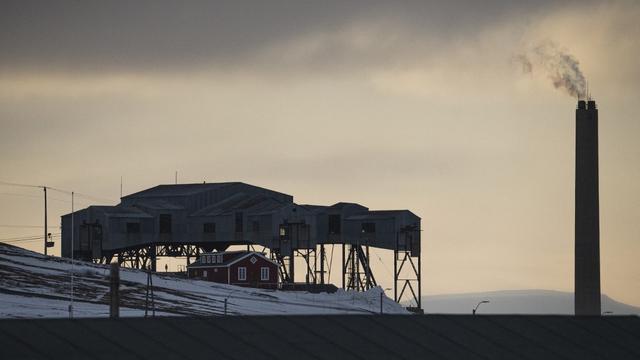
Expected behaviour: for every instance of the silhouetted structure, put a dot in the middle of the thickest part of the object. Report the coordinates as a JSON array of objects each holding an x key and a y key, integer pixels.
[
  {"x": 191, "y": 219},
  {"x": 587, "y": 219}
]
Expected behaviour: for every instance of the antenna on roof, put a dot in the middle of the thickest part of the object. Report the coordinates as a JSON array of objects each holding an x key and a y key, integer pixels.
[
  {"x": 120, "y": 187},
  {"x": 176, "y": 177}
]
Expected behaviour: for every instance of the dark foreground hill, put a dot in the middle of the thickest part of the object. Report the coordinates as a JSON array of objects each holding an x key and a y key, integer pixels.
[{"x": 327, "y": 337}]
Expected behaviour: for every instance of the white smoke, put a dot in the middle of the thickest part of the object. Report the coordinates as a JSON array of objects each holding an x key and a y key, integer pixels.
[{"x": 562, "y": 68}]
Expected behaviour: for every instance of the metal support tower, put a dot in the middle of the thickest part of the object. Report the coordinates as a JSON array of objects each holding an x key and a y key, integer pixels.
[
  {"x": 356, "y": 269},
  {"x": 146, "y": 257},
  {"x": 323, "y": 256},
  {"x": 407, "y": 278},
  {"x": 310, "y": 260},
  {"x": 284, "y": 266}
]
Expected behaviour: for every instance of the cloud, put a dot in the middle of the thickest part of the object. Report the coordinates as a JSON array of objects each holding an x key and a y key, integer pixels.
[{"x": 152, "y": 36}]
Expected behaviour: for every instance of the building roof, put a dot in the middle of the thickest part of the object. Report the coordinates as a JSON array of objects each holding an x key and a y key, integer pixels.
[
  {"x": 115, "y": 211},
  {"x": 380, "y": 215},
  {"x": 158, "y": 204},
  {"x": 241, "y": 202},
  {"x": 342, "y": 205},
  {"x": 330, "y": 337},
  {"x": 169, "y": 190},
  {"x": 228, "y": 260},
  {"x": 178, "y": 189}
]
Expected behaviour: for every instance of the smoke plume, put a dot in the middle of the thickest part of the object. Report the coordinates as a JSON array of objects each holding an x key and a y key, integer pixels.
[{"x": 562, "y": 68}]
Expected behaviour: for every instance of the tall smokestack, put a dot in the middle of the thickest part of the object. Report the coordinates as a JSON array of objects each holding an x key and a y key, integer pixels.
[{"x": 587, "y": 220}]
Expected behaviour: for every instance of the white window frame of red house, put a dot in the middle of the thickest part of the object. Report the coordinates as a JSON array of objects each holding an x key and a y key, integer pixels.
[
  {"x": 204, "y": 273},
  {"x": 264, "y": 273},
  {"x": 242, "y": 273}
]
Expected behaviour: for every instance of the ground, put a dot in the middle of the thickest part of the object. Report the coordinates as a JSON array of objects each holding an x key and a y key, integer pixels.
[{"x": 33, "y": 286}]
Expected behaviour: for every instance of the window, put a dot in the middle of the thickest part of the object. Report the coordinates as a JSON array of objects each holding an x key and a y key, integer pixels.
[
  {"x": 283, "y": 231},
  {"x": 133, "y": 228},
  {"x": 264, "y": 273},
  {"x": 204, "y": 273},
  {"x": 242, "y": 273},
  {"x": 209, "y": 228},
  {"x": 239, "y": 225},
  {"x": 165, "y": 223},
  {"x": 334, "y": 224},
  {"x": 368, "y": 228},
  {"x": 219, "y": 259}
]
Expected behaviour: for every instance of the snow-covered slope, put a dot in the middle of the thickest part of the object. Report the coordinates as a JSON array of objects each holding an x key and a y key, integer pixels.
[
  {"x": 34, "y": 285},
  {"x": 517, "y": 302}
]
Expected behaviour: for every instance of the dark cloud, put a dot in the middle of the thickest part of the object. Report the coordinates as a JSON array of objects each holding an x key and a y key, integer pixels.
[{"x": 161, "y": 35}]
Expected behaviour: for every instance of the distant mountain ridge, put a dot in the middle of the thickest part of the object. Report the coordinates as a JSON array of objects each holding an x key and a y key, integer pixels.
[{"x": 517, "y": 302}]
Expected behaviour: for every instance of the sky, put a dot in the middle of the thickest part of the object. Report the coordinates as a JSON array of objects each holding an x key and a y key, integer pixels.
[{"x": 418, "y": 105}]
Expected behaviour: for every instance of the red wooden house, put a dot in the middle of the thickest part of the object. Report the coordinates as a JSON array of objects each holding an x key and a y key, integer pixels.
[{"x": 242, "y": 268}]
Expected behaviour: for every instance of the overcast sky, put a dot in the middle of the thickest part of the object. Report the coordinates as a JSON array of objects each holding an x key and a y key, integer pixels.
[{"x": 413, "y": 104}]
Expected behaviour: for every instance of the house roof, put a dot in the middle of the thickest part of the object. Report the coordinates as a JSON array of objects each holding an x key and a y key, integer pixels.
[
  {"x": 325, "y": 337},
  {"x": 229, "y": 260}
]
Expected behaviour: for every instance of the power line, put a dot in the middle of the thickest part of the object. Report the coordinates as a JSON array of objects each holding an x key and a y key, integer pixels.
[
  {"x": 18, "y": 242},
  {"x": 40, "y": 197},
  {"x": 22, "y": 226},
  {"x": 21, "y": 241},
  {"x": 32, "y": 237},
  {"x": 27, "y": 238},
  {"x": 23, "y": 185},
  {"x": 90, "y": 197}
]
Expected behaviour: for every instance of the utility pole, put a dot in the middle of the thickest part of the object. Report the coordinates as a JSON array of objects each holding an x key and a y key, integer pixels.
[
  {"x": 322, "y": 257},
  {"x": 149, "y": 290},
  {"x": 72, "y": 269},
  {"x": 114, "y": 290},
  {"x": 45, "y": 220}
]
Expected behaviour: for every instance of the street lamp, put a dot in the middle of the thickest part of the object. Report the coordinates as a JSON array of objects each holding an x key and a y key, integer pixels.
[
  {"x": 478, "y": 305},
  {"x": 382, "y": 298}
]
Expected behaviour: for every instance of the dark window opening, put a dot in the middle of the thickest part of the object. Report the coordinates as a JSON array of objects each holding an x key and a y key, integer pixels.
[
  {"x": 368, "y": 228},
  {"x": 132, "y": 228},
  {"x": 239, "y": 222},
  {"x": 255, "y": 226},
  {"x": 209, "y": 228},
  {"x": 334, "y": 224},
  {"x": 165, "y": 223}
]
